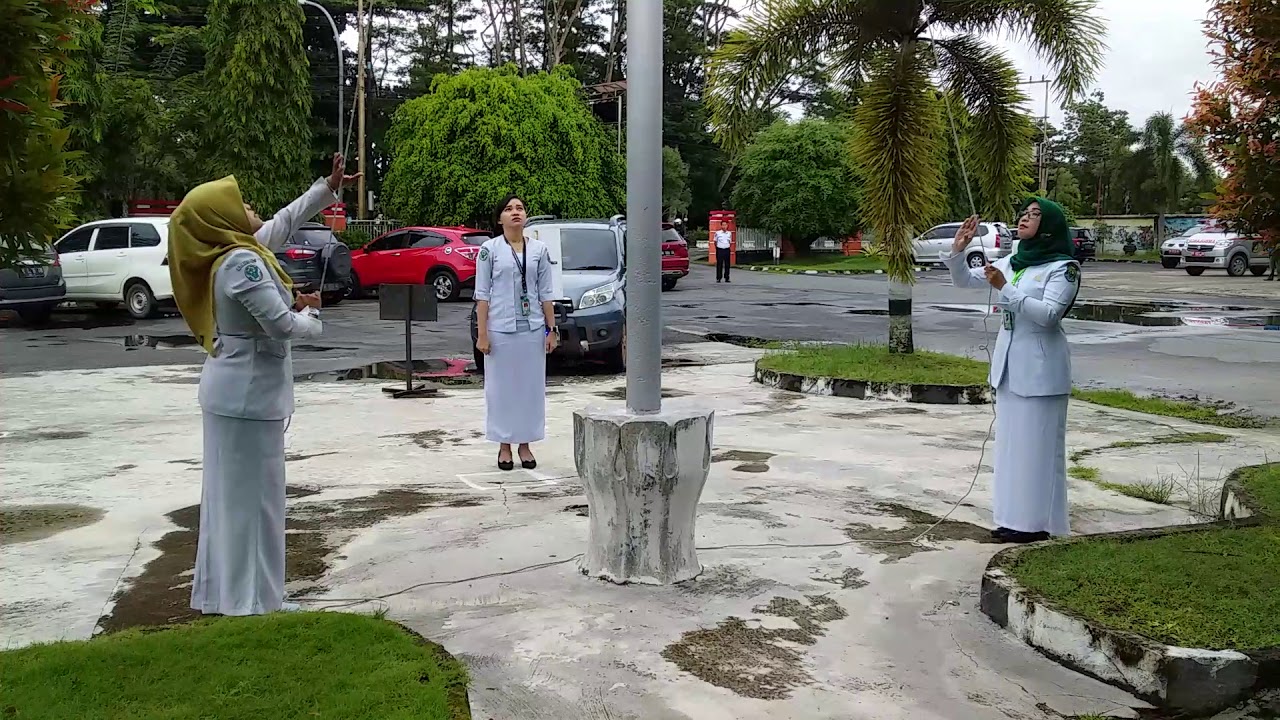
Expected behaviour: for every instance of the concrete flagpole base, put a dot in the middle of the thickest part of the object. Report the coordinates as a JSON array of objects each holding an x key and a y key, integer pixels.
[{"x": 643, "y": 476}]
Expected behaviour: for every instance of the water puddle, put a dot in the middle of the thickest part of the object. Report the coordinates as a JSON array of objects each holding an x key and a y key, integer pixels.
[
  {"x": 159, "y": 342},
  {"x": 873, "y": 311},
  {"x": 1177, "y": 314}
]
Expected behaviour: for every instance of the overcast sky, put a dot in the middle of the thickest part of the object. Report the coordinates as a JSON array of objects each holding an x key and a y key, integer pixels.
[{"x": 1157, "y": 53}]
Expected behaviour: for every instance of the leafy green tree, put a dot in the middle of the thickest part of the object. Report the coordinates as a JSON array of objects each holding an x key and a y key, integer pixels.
[
  {"x": 486, "y": 132},
  {"x": 37, "y": 187},
  {"x": 1066, "y": 192},
  {"x": 1174, "y": 160},
  {"x": 675, "y": 183},
  {"x": 1097, "y": 141},
  {"x": 799, "y": 180},
  {"x": 905, "y": 54},
  {"x": 257, "y": 100}
]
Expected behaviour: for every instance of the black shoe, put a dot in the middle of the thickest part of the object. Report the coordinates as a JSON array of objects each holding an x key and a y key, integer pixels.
[
  {"x": 1018, "y": 537},
  {"x": 999, "y": 533},
  {"x": 529, "y": 464},
  {"x": 505, "y": 465}
]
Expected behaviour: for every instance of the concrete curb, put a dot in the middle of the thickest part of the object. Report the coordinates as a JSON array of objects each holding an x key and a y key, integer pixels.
[
  {"x": 866, "y": 390},
  {"x": 1125, "y": 260},
  {"x": 1237, "y": 503},
  {"x": 1195, "y": 681}
]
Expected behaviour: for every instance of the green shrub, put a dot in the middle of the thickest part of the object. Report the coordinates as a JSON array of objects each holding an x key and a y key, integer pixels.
[{"x": 353, "y": 238}]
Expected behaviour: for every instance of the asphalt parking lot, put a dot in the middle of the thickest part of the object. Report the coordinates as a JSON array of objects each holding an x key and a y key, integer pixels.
[{"x": 1144, "y": 328}]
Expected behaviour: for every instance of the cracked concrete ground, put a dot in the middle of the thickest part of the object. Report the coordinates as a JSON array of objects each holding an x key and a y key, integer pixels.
[{"x": 810, "y": 604}]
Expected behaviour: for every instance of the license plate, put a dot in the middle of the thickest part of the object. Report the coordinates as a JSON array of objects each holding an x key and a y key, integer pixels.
[
  {"x": 331, "y": 287},
  {"x": 30, "y": 271},
  {"x": 1197, "y": 253}
]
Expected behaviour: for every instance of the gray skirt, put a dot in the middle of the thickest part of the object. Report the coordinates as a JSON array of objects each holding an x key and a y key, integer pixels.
[
  {"x": 240, "y": 556},
  {"x": 515, "y": 387}
]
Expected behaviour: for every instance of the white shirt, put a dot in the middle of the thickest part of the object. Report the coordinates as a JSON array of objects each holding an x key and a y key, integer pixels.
[{"x": 723, "y": 238}]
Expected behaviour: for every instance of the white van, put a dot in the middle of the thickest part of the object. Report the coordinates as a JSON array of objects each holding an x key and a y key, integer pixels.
[
  {"x": 118, "y": 261},
  {"x": 1219, "y": 250}
]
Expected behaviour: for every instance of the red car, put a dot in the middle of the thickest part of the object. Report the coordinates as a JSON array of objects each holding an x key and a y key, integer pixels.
[
  {"x": 675, "y": 256},
  {"x": 443, "y": 257}
]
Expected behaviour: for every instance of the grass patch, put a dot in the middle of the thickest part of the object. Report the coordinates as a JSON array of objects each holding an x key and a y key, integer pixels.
[
  {"x": 1158, "y": 491},
  {"x": 1215, "y": 588},
  {"x": 874, "y": 363},
  {"x": 1083, "y": 472},
  {"x": 1182, "y": 438},
  {"x": 1201, "y": 412},
  {"x": 1263, "y": 485},
  {"x": 834, "y": 261},
  {"x": 282, "y": 665}
]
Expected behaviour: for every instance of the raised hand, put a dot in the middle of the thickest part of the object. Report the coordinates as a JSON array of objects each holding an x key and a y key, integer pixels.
[
  {"x": 337, "y": 180},
  {"x": 965, "y": 235}
]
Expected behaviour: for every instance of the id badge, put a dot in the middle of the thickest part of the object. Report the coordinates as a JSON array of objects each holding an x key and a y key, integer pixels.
[
  {"x": 1007, "y": 320},
  {"x": 524, "y": 306}
]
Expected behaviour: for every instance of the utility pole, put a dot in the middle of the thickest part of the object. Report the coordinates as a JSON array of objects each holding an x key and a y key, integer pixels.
[
  {"x": 644, "y": 206},
  {"x": 1042, "y": 150},
  {"x": 362, "y": 209}
]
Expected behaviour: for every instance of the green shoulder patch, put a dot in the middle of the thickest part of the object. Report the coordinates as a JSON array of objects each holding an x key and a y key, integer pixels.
[
  {"x": 484, "y": 253},
  {"x": 252, "y": 273},
  {"x": 1073, "y": 273}
]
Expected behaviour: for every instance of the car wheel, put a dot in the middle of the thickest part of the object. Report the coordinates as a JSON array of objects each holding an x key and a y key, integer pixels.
[
  {"x": 616, "y": 358},
  {"x": 354, "y": 290},
  {"x": 1258, "y": 271},
  {"x": 445, "y": 284},
  {"x": 478, "y": 358},
  {"x": 1238, "y": 265},
  {"x": 1195, "y": 271},
  {"x": 36, "y": 315},
  {"x": 668, "y": 283},
  {"x": 1168, "y": 263},
  {"x": 139, "y": 300},
  {"x": 976, "y": 260}
]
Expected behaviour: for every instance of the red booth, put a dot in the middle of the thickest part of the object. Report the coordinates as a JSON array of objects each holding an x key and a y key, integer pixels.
[{"x": 729, "y": 218}]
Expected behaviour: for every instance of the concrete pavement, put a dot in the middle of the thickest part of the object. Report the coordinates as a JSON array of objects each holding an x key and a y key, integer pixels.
[{"x": 813, "y": 602}]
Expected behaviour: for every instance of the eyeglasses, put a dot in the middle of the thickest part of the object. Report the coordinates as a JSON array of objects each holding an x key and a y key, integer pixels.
[{"x": 1031, "y": 214}]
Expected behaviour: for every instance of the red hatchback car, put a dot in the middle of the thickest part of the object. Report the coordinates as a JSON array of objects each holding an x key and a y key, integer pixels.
[
  {"x": 443, "y": 257},
  {"x": 675, "y": 256}
]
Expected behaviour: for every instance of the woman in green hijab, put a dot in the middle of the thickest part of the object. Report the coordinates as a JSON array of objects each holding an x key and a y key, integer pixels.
[
  {"x": 1030, "y": 368},
  {"x": 240, "y": 307}
]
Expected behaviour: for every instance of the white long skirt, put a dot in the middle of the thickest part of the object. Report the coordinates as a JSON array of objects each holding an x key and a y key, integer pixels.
[
  {"x": 515, "y": 387},
  {"x": 1031, "y": 463},
  {"x": 240, "y": 556}
]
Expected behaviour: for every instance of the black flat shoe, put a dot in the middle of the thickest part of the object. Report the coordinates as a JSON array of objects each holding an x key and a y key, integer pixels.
[
  {"x": 1021, "y": 538},
  {"x": 529, "y": 464},
  {"x": 505, "y": 465},
  {"x": 1000, "y": 532}
]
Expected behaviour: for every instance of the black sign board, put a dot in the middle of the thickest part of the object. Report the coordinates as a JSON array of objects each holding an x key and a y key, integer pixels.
[{"x": 410, "y": 303}]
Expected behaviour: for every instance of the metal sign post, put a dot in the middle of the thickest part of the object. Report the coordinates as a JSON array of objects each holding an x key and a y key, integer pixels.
[{"x": 409, "y": 303}]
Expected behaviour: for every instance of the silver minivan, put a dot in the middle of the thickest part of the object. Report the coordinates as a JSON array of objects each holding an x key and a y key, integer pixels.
[{"x": 1219, "y": 250}]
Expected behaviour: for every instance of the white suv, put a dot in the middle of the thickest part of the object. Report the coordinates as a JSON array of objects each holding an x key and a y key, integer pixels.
[
  {"x": 115, "y": 261},
  {"x": 1220, "y": 250},
  {"x": 991, "y": 242}
]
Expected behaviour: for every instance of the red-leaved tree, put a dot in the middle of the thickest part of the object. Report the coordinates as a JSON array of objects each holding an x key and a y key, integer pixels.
[{"x": 1239, "y": 116}]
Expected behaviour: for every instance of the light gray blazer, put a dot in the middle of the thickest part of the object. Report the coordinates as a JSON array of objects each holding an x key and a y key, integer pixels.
[
  {"x": 1034, "y": 356},
  {"x": 249, "y": 374}
]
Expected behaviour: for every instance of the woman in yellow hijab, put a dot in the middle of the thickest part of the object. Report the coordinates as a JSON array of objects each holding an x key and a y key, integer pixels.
[{"x": 239, "y": 305}]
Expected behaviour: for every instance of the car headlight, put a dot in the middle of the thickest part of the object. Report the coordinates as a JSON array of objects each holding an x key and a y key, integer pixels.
[{"x": 597, "y": 296}]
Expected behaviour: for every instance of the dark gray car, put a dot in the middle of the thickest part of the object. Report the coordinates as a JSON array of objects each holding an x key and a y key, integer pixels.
[
  {"x": 33, "y": 288},
  {"x": 314, "y": 254}
]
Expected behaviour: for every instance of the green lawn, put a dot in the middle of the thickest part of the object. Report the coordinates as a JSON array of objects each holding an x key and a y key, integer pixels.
[
  {"x": 875, "y": 363},
  {"x": 1217, "y": 588},
  {"x": 1263, "y": 484},
  {"x": 278, "y": 666},
  {"x": 1185, "y": 409},
  {"x": 834, "y": 261}
]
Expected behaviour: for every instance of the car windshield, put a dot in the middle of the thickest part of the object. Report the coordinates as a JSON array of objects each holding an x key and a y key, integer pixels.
[
  {"x": 588, "y": 249},
  {"x": 476, "y": 238},
  {"x": 1194, "y": 230},
  {"x": 315, "y": 237},
  {"x": 671, "y": 235}
]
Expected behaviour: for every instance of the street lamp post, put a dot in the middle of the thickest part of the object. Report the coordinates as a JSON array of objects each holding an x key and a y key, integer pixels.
[
  {"x": 644, "y": 206},
  {"x": 337, "y": 41}
]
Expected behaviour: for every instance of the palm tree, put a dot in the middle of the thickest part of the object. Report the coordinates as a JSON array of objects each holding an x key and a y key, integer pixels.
[
  {"x": 1173, "y": 159},
  {"x": 911, "y": 58}
]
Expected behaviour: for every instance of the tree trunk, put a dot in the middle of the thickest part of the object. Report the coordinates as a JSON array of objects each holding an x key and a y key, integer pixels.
[
  {"x": 615, "y": 32},
  {"x": 1159, "y": 230},
  {"x": 900, "y": 335}
]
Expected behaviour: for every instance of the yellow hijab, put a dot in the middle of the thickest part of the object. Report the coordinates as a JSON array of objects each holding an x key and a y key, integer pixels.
[{"x": 209, "y": 224}]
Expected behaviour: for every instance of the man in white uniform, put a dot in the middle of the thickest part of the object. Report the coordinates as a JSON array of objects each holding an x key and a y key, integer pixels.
[{"x": 723, "y": 241}]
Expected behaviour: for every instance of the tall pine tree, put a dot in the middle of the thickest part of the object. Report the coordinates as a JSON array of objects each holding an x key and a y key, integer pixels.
[{"x": 258, "y": 100}]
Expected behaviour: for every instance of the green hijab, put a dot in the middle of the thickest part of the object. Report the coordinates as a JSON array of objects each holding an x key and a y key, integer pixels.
[{"x": 1051, "y": 243}]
